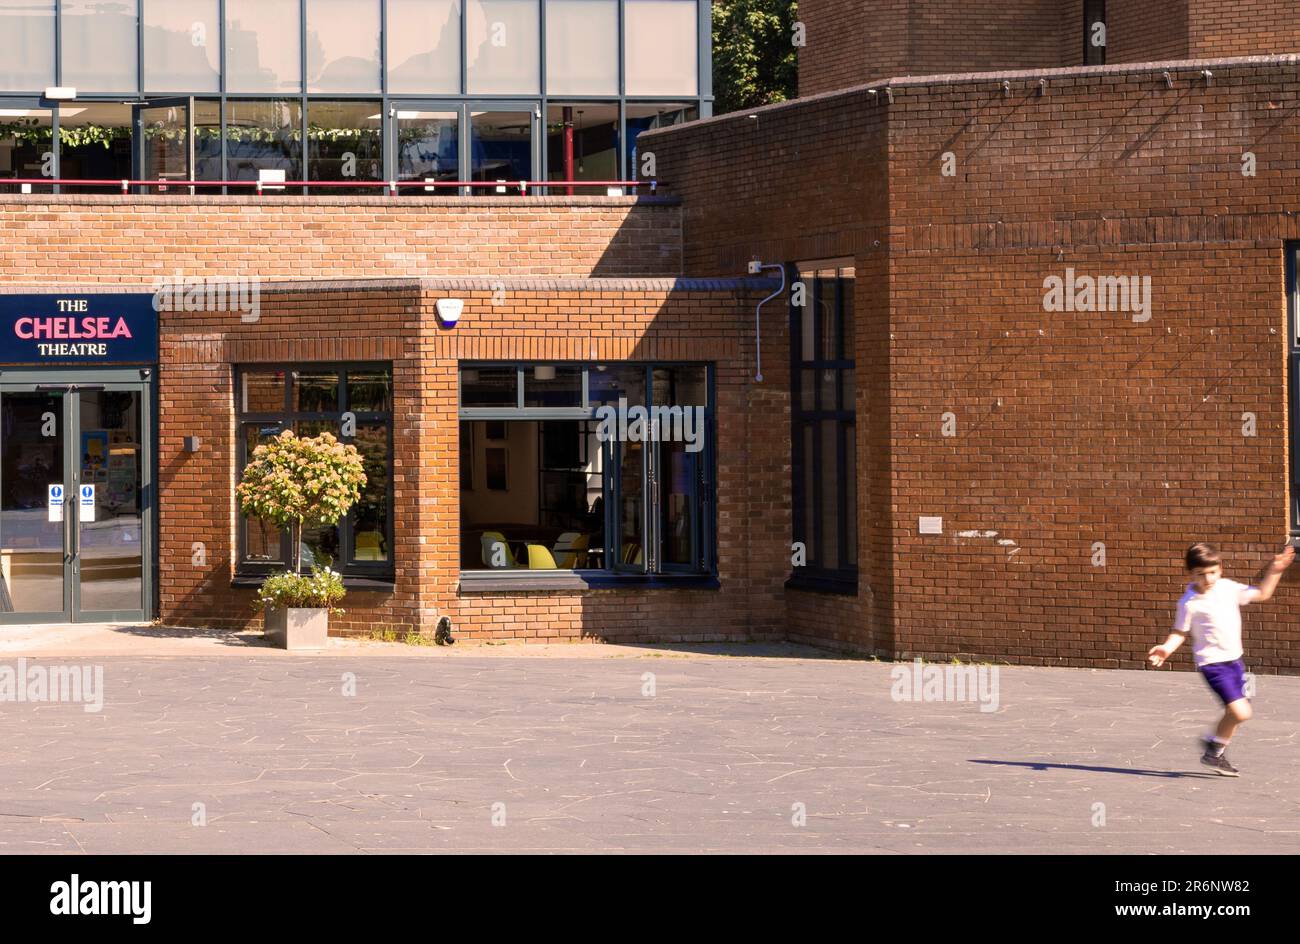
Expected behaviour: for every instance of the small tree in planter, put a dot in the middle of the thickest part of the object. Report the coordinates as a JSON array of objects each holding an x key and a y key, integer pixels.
[{"x": 295, "y": 482}]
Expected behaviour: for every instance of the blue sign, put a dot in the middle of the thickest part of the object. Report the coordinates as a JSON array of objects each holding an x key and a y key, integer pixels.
[{"x": 117, "y": 328}]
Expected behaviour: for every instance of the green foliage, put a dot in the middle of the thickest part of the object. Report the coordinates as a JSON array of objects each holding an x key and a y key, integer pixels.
[
  {"x": 322, "y": 588},
  {"x": 755, "y": 61},
  {"x": 293, "y": 482},
  {"x": 31, "y": 131}
]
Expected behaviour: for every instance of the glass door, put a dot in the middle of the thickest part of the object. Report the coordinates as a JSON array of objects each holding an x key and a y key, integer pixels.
[
  {"x": 165, "y": 131},
  {"x": 109, "y": 487},
  {"x": 504, "y": 146},
  {"x": 427, "y": 146},
  {"x": 74, "y": 501},
  {"x": 34, "y": 561}
]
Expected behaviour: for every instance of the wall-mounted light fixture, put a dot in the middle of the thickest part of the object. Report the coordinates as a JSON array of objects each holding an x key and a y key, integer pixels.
[{"x": 193, "y": 443}]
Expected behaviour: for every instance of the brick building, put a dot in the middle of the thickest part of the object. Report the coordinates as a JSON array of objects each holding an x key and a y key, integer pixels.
[
  {"x": 850, "y": 42},
  {"x": 1028, "y": 474},
  {"x": 939, "y": 459}
]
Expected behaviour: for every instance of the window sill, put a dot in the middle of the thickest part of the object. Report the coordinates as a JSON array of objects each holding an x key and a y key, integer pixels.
[
  {"x": 508, "y": 581},
  {"x": 840, "y": 586},
  {"x": 349, "y": 583}
]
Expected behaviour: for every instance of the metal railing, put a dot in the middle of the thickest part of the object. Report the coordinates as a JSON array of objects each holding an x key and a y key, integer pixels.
[{"x": 389, "y": 187}]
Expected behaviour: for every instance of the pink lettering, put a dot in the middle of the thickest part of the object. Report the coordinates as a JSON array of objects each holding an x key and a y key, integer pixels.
[{"x": 74, "y": 329}]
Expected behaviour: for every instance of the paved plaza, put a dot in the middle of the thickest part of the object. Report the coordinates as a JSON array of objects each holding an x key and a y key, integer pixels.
[{"x": 606, "y": 749}]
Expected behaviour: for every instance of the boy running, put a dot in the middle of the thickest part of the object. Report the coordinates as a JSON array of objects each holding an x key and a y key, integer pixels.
[{"x": 1210, "y": 611}]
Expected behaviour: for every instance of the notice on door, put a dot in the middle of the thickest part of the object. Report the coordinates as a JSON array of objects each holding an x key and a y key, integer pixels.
[
  {"x": 87, "y": 503},
  {"x": 55, "y": 502}
]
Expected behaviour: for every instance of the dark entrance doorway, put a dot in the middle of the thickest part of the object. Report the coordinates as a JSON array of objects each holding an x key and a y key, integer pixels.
[{"x": 76, "y": 507}]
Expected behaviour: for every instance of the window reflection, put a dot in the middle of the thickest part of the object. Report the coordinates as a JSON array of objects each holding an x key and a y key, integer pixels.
[
  {"x": 345, "y": 141},
  {"x": 26, "y": 147},
  {"x": 263, "y": 136}
]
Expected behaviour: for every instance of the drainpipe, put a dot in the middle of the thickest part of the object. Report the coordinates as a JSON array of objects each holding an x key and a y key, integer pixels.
[{"x": 756, "y": 268}]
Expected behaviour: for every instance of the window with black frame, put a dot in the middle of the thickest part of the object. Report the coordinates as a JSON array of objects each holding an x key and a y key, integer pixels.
[
  {"x": 595, "y": 469},
  {"x": 354, "y": 402},
  {"x": 823, "y": 430}
]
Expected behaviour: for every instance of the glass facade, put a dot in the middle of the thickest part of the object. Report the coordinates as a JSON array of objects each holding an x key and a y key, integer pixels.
[{"x": 551, "y": 90}]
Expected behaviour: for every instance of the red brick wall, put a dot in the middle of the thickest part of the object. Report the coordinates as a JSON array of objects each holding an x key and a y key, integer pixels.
[
  {"x": 1071, "y": 429},
  {"x": 851, "y": 42},
  {"x": 113, "y": 239},
  {"x": 605, "y": 320},
  {"x": 1244, "y": 28},
  {"x": 1146, "y": 31},
  {"x": 747, "y": 188}
]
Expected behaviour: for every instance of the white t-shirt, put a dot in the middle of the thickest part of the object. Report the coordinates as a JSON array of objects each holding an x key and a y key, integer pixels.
[{"x": 1213, "y": 619}]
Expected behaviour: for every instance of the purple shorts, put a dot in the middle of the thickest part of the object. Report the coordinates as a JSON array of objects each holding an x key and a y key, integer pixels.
[{"x": 1228, "y": 679}]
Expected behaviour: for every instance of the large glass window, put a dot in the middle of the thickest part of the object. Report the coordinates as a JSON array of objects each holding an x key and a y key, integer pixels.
[
  {"x": 343, "y": 46},
  {"x": 661, "y": 47},
  {"x": 581, "y": 47},
  {"x": 345, "y": 142},
  {"x": 824, "y": 436},
  {"x": 182, "y": 46},
  {"x": 264, "y": 135},
  {"x": 428, "y": 148},
  {"x": 311, "y": 399},
  {"x": 423, "y": 39},
  {"x": 26, "y": 147},
  {"x": 263, "y": 46},
  {"x": 582, "y": 142},
  {"x": 26, "y": 45},
  {"x": 503, "y": 47},
  {"x": 501, "y": 148},
  {"x": 95, "y": 140},
  {"x": 574, "y": 467},
  {"x": 99, "y": 44}
]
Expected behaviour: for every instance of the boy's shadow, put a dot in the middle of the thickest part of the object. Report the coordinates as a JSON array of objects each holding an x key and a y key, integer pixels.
[{"x": 1041, "y": 765}]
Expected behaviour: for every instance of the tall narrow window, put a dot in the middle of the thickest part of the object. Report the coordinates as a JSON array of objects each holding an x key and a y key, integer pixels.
[
  {"x": 824, "y": 434},
  {"x": 1094, "y": 32},
  {"x": 1293, "y": 377}
]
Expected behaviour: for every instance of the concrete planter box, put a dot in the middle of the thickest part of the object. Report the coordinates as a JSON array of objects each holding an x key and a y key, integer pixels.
[{"x": 298, "y": 627}]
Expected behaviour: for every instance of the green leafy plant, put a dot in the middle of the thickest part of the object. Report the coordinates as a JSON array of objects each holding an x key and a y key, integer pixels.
[
  {"x": 295, "y": 481},
  {"x": 755, "y": 61},
  {"x": 321, "y": 588}
]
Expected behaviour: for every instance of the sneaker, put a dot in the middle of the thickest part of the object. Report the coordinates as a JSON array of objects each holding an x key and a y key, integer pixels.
[{"x": 1221, "y": 765}]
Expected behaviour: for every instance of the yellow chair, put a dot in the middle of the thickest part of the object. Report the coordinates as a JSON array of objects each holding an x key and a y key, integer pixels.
[
  {"x": 571, "y": 549},
  {"x": 489, "y": 542},
  {"x": 631, "y": 553},
  {"x": 539, "y": 558},
  {"x": 369, "y": 546}
]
